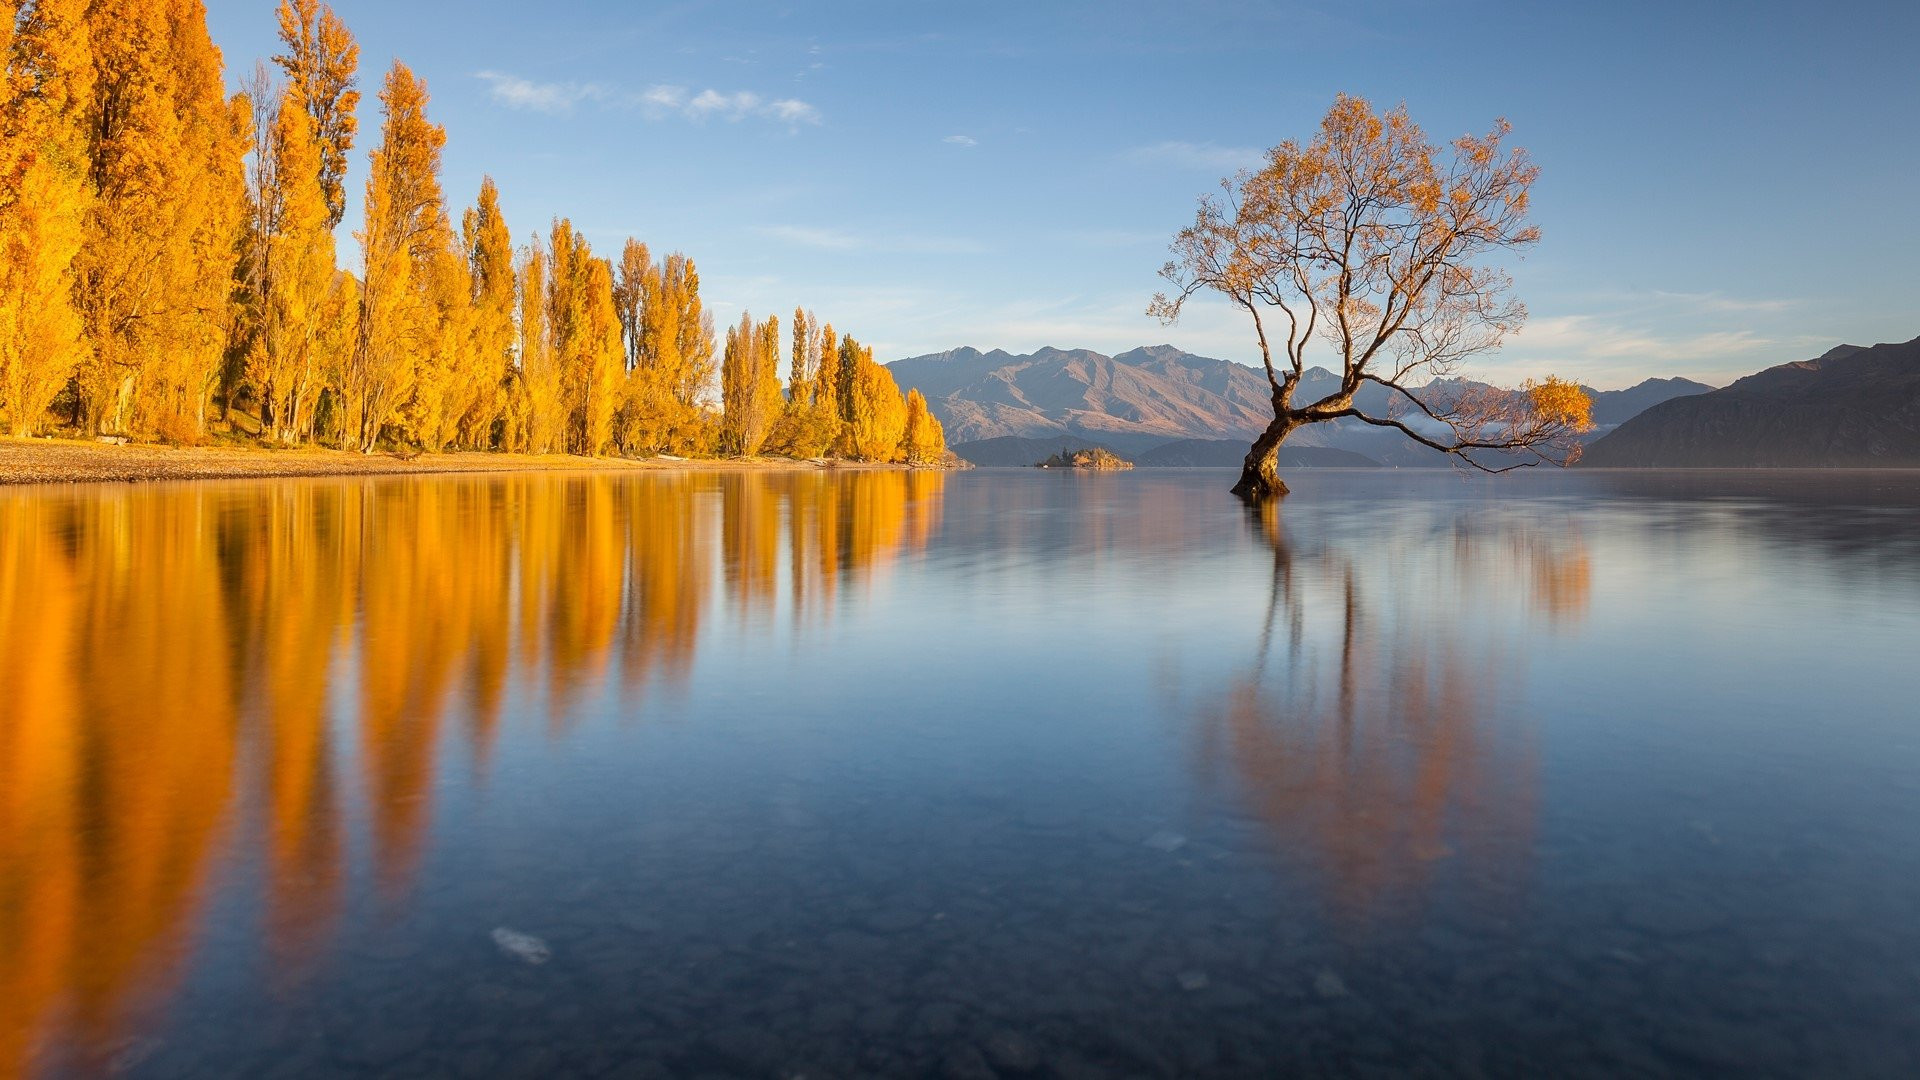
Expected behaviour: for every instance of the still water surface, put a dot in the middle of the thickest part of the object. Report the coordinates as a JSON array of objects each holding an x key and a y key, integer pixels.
[{"x": 997, "y": 773}]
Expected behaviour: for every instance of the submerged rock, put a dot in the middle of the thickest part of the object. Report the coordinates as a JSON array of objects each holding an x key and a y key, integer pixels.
[
  {"x": 522, "y": 947},
  {"x": 1192, "y": 980}
]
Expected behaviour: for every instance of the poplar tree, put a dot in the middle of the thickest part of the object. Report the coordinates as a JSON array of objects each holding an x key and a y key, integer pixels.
[
  {"x": 165, "y": 150},
  {"x": 877, "y": 417},
  {"x": 750, "y": 383},
  {"x": 322, "y": 62},
  {"x": 803, "y": 359},
  {"x": 288, "y": 364},
  {"x": 586, "y": 340},
  {"x": 826, "y": 376},
  {"x": 405, "y": 228},
  {"x": 43, "y": 202},
  {"x": 630, "y": 295},
  {"x": 489, "y": 248},
  {"x": 535, "y": 421},
  {"x": 925, "y": 441}
]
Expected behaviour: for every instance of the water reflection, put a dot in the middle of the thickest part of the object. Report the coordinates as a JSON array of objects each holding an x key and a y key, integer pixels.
[
  {"x": 1373, "y": 733},
  {"x": 256, "y": 671}
]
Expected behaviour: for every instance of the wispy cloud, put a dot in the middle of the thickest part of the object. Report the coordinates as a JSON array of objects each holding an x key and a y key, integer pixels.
[
  {"x": 551, "y": 97},
  {"x": 804, "y": 236},
  {"x": 660, "y": 101},
  {"x": 961, "y": 140},
  {"x": 890, "y": 243},
  {"x": 1722, "y": 304},
  {"x": 738, "y": 105},
  {"x": 1602, "y": 338},
  {"x": 1189, "y": 155}
]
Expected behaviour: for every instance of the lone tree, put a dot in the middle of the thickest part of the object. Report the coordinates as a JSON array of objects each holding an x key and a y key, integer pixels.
[{"x": 1369, "y": 239}]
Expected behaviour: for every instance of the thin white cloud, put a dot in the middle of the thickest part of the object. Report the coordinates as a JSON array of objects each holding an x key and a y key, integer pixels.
[
  {"x": 1188, "y": 155},
  {"x": 891, "y": 243},
  {"x": 961, "y": 140},
  {"x": 517, "y": 93},
  {"x": 660, "y": 101},
  {"x": 714, "y": 103},
  {"x": 1722, "y": 304},
  {"x": 667, "y": 98},
  {"x": 793, "y": 111},
  {"x": 824, "y": 239},
  {"x": 1601, "y": 338}
]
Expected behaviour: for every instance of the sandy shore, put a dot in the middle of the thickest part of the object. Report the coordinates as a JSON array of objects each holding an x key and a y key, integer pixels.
[{"x": 64, "y": 461}]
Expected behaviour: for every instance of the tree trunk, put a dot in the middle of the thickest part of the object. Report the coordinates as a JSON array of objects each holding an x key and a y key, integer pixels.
[{"x": 1260, "y": 475}]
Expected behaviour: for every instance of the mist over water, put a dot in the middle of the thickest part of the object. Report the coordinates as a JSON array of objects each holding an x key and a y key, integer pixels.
[{"x": 1013, "y": 772}]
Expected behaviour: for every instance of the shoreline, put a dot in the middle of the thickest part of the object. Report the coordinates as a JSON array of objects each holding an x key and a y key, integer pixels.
[{"x": 72, "y": 461}]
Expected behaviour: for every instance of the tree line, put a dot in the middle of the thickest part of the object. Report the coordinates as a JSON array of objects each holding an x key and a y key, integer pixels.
[{"x": 170, "y": 252}]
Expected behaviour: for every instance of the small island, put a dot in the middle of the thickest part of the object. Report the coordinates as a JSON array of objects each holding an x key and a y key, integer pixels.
[{"x": 1093, "y": 457}]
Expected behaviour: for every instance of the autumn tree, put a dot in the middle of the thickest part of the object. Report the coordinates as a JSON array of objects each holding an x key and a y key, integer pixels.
[
  {"x": 43, "y": 202},
  {"x": 164, "y": 148},
  {"x": 533, "y": 419},
  {"x": 489, "y": 251},
  {"x": 322, "y": 62},
  {"x": 750, "y": 383},
  {"x": 826, "y": 372},
  {"x": 1373, "y": 241},
  {"x": 808, "y": 425},
  {"x": 686, "y": 337},
  {"x": 585, "y": 329},
  {"x": 874, "y": 413},
  {"x": 670, "y": 350},
  {"x": 287, "y": 361},
  {"x": 631, "y": 284},
  {"x": 803, "y": 361},
  {"x": 406, "y": 229},
  {"x": 925, "y": 442},
  {"x": 649, "y": 403}
]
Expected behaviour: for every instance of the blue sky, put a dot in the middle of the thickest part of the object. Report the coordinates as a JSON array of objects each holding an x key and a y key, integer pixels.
[{"x": 1724, "y": 186}]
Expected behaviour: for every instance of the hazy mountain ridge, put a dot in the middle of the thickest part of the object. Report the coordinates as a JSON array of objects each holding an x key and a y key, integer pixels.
[
  {"x": 1147, "y": 398},
  {"x": 1851, "y": 406}
]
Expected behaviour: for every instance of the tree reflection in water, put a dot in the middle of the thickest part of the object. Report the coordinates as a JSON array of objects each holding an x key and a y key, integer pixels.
[
  {"x": 189, "y": 672},
  {"x": 1372, "y": 734}
]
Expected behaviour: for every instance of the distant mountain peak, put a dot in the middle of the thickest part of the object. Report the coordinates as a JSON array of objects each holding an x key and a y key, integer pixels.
[{"x": 1157, "y": 392}]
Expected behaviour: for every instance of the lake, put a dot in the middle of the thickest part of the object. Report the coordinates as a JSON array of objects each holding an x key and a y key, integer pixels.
[{"x": 974, "y": 774}]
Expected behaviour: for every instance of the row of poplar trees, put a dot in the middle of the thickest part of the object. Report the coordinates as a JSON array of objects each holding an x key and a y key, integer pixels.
[{"x": 169, "y": 252}]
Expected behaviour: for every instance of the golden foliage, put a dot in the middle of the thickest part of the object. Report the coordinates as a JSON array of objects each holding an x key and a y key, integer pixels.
[
  {"x": 750, "y": 383},
  {"x": 876, "y": 417},
  {"x": 586, "y": 333},
  {"x": 925, "y": 442},
  {"x": 290, "y": 362},
  {"x": 165, "y": 151},
  {"x": 322, "y": 64},
  {"x": 1560, "y": 402},
  {"x": 43, "y": 204},
  {"x": 406, "y": 229}
]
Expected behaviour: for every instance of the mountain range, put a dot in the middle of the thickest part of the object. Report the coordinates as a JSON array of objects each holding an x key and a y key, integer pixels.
[
  {"x": 1852, "y": 406},
  {"x": 1161, "y": 405}
]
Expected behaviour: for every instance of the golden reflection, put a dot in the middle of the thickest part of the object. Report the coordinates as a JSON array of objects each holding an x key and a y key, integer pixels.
[
  {"x": 188, "y": 673},
  {"x": 1370, "y": 734}
]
